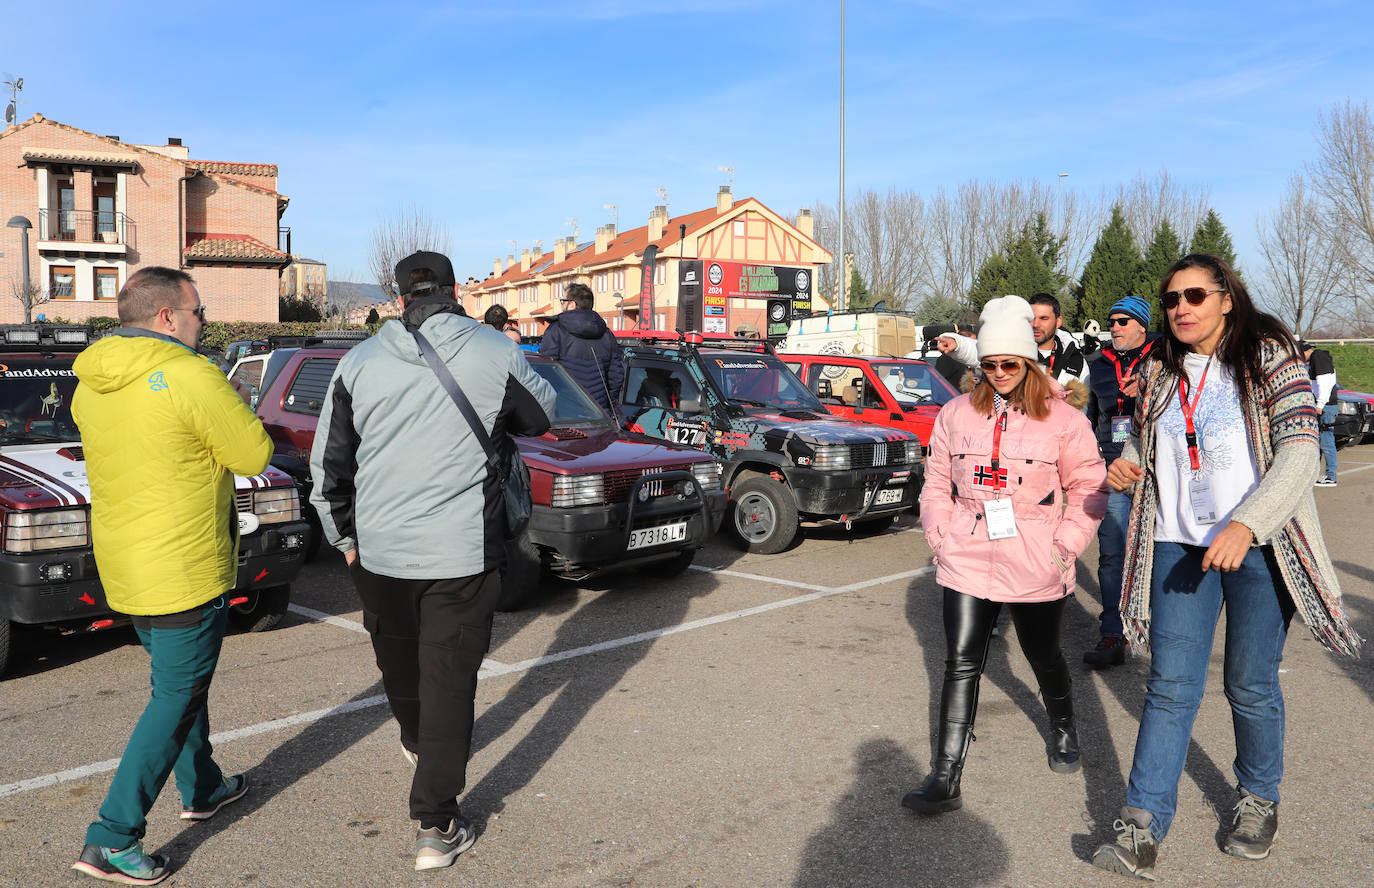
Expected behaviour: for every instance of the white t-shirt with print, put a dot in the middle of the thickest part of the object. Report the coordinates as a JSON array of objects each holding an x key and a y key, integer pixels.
[{"x": 1224, "y": 455}]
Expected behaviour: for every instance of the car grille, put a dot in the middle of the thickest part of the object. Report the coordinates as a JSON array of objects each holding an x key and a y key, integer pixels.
[
  {"x": 618, "y": 483},
  {"x": 243, "y": 500},
  {"x": 866, "y": 456}
]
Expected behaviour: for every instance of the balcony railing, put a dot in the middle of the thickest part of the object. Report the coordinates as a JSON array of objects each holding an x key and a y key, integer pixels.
[{"x": 84, "y": 226}]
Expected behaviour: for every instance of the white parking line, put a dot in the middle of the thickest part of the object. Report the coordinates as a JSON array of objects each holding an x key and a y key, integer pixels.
[
  {"x": 490, "y": 668},
  {"x": 1353, "y": 471}
]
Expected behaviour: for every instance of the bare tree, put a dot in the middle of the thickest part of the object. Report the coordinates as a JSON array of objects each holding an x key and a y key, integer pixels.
[
  {"x": 30, "y": 296},
  {"x": 1146, "y": 201},
  {"x": 1343, "y": 179},
  {"x": 1303, "y": 269},
  {"x": 341, "y": 299},
  {"x": 400, "y": 235}
]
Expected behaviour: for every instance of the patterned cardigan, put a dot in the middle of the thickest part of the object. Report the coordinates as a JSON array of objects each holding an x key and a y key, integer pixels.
[{"x": 1282, "y": 429}]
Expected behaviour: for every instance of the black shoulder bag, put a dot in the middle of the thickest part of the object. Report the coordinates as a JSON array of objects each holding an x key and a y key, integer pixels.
[{"x": 515, "y": 477}]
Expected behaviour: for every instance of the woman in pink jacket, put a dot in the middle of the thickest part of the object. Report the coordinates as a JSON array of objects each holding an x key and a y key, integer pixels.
[{"x": 1014, "y": 490}]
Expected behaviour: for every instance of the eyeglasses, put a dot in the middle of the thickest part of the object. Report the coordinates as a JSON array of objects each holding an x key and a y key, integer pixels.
[
  {"x": 198, "y": 311},
  {"x": 1194, "y": 295},
  {"x": 1007, "y": 367},
  {"x": 1121, "y": 322}
]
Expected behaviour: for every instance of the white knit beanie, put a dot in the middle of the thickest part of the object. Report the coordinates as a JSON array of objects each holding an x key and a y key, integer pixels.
[{"x": 1006, "y": 329}]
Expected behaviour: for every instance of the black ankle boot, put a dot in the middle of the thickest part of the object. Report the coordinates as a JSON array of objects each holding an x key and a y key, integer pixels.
[
  {"x": 1063, "y": 749},
  {"x": 940, "y": 791}
]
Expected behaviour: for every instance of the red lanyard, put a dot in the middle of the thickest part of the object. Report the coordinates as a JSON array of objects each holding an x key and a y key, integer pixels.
[
  {"x": 997, "y": 428},
  {"x": 1190, "y": 432},
  {"x": 1116, "y": 366}
]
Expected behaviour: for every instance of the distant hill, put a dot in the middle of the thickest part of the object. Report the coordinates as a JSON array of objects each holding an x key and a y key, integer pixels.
[{"x": 369, "y": 292}]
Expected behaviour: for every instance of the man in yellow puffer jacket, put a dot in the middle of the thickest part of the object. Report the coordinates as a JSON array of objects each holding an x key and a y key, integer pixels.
[{"x": 164, "y": 432}]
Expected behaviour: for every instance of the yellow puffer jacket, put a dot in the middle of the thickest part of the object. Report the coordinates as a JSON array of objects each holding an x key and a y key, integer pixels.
[{"x": 163, "y": 432}]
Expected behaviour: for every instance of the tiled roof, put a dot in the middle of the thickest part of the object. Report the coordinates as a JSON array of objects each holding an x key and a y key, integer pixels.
[
  {"x": 543, "y": 309},
  {"x": 233, "y": 169},
  {"x": 232, "y": 248},
  {"x": 65, "y": 155}
]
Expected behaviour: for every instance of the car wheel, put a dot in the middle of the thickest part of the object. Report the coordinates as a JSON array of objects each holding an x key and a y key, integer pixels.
[
  {"x": 5, "y": 635},
  {"x": 763, "y": 515},
  {"x": 263, "y": 610},
  {"x": 520, "y": 579},
  {"x": 668, "y": 568}
]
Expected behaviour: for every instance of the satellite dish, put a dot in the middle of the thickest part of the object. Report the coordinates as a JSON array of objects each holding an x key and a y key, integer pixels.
[{"x": 9, "y": 113}]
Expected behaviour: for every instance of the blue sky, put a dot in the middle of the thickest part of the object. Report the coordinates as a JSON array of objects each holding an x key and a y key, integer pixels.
[{"x": 502, "y": 118}]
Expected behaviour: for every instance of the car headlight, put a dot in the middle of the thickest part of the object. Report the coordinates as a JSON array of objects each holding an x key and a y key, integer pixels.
[
  {"x": 277, "y": 504},
  {"x": 1349, "y": 408},
  {"x": 38, "y": 531},
  {"x": 578, "y": 490},
  {"x": 831, "y": 457},
  {"x": 707, "y": 475}
]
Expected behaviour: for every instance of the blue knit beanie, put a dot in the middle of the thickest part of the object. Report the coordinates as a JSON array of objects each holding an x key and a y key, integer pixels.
[{"x": 1135, "y": 307}]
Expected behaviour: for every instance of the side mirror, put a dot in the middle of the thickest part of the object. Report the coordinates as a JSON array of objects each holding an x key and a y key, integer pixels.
[
  {"x": 823, "y": 389},
  {"x": 858, "y": 384}
]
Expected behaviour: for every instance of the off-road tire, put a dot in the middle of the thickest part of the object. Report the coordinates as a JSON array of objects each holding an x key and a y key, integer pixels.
[
  {"x": 6, "y": 636},
  {"x": 263, "y": 610},
  {"x": 763, "y": 515}
]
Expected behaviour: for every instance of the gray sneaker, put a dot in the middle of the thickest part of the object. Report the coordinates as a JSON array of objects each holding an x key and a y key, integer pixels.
[
  {"x": 1256, "y": 821},
  {"x": 1132, "y": 854},
  {"x": 436, "y": 848}
]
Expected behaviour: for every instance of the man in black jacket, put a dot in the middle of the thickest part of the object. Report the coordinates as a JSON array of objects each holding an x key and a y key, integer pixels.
[
  {"x": 580, "y": 340},
  {"x": 1059, "y": 354},
  {"x": 1322, "y": 370},
  {"x": 1113, "y": 379}
]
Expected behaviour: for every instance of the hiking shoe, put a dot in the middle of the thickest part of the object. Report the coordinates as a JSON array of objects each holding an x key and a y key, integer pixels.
[
  {"x": 231, "y": 790},
  {"x": 128, "y": 867},
  {"x": 1110, "y": 651},
  {"x": 436, "y": 847},
  {"x": 1324, "y": 482},
  {"x": 1256, "y": 822},
  {"x": 1132, "y": 854}
]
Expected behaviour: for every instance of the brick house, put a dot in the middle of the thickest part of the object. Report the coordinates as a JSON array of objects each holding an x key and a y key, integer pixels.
[
  {"x": 101, "y": 209},
  {"x": 733, "y": 234}
]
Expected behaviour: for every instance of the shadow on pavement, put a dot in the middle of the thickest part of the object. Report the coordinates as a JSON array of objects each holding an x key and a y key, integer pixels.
[{"x": 871, "y": 841}]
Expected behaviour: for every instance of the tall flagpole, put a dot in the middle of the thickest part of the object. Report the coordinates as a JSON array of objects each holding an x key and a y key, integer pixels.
[{"x": 844, "y": 283}]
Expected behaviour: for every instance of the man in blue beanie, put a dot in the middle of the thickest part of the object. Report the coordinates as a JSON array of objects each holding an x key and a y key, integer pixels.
[{"x": 1112, "y": 378}]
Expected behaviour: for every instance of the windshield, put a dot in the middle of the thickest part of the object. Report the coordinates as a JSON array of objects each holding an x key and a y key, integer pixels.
[
  {"x": 913, "y": 384},
  {"x": 36, "y": 401},
  {"x": 571, "y": 403},
  {"x": 759, "y": 380}
]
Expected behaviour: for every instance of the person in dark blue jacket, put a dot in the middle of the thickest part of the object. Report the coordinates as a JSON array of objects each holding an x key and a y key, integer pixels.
[
  {"x": 580, "y": 340},
  {"x": 1112, "y": 378}
]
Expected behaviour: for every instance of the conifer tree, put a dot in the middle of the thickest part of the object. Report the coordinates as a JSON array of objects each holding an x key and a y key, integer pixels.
[
  {"x": 1027, "y": 265},
  {"x": 1212, "y": 237},
  {"x": 1113, "y": 269},
  {"x": 859, "y": 297},
  {"x": 1165, "y": 249}
]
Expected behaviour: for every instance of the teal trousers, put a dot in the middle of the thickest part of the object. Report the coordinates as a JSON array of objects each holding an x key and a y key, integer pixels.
[{"x": 172, "y": 735}]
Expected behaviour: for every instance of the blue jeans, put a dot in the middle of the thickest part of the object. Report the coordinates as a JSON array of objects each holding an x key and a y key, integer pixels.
[
  {"x": 1185, "y": 606},
  {"x": 1328, "y": 439},
  {"x": 172, "y": 735},
  {"x": 1111, "y": 560}
]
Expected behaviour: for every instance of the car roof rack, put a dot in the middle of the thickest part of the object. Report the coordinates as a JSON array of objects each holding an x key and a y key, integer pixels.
[
  {"x": 41, "y": 335},
  {"x": 342, "y": 338},
  {"x": 680, "y": 341}
]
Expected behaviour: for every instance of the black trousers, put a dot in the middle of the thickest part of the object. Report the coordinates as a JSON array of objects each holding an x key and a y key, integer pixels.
[
  {"x": 430, "y": 637},
  {"x": 968, "y": 632}
]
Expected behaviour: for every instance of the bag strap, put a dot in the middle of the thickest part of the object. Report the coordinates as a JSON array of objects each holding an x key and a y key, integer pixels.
[{"x": 451, "y": 386}]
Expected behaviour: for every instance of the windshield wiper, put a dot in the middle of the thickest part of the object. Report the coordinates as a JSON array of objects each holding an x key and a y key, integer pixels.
[{"x": 750, "y": 402}]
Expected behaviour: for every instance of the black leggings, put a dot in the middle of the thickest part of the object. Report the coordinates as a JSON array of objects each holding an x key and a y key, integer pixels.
[{"x": 968, "y": 632}]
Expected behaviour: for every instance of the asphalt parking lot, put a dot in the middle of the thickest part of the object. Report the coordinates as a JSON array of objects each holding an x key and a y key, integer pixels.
[{"x": 754, "y": 723}]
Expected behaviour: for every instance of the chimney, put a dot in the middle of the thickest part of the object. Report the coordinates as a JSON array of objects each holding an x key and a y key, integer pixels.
[
  {"x": 658, "y": 221},
  {"x": 496, "y": 267},
  {"x": 525, "y": 259},
  {"x": 604, "y": 235},
  {"x": 510, "y": 261},
  {"x": 806, "y": 224},
  {"x": 537, "y": 250},
  {"x": 724, "y": 200},
  {"x": 560, "y": 251},
  {"x": 173, "y": 140}
]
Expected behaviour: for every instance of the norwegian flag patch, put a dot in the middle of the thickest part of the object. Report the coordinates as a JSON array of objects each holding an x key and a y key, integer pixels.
[{"x": 989, "y": 478}]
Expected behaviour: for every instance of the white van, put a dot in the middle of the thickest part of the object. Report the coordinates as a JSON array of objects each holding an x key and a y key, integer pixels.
[{"x": 851, "y": 333}]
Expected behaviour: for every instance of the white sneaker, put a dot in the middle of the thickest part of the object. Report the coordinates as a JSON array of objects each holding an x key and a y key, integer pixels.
[{"x": 1324, "y": 482}]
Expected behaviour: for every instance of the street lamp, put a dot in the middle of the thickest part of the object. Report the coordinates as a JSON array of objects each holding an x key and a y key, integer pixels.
[
  {"x": 23, "y": 224},
  {"x": 1059, "y": 207},
  {"x": 844, "y": 284}
]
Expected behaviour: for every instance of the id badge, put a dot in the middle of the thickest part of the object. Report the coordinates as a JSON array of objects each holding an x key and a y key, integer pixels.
[
  {"x": 1001, "y": 521},
  {"x": 1121, "y": 429},
  {"x": 1204, "y": 507}
]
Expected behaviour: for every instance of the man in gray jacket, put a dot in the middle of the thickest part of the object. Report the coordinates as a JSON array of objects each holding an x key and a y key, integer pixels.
[{"x": 404, "y": 489}]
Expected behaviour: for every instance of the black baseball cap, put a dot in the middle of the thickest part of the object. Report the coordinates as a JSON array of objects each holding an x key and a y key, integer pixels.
[{"x": 437, "y": 264}]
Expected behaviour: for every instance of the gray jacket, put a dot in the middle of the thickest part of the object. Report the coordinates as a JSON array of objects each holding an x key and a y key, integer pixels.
[{"x": 397, "y": 472}]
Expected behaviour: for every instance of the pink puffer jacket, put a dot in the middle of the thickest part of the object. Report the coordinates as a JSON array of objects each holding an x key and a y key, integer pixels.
[{"x": 1057, "y": 483}]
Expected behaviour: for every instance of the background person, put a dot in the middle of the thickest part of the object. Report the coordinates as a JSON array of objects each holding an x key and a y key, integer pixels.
[
  {"x": 1112, "y": 379},
  {"x": 1225, "y": 518},
  {"x": 425, "y": 549},
  {"x": 1322, "y": 371},
  {"x": 164, "y": 433},
  {"x": 1056, "y": 350},
  {"x": 1013, "y": 492},
  {"x": 579, "y": 339}
]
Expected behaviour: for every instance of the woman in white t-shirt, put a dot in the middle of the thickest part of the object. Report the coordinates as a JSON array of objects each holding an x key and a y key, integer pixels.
[{"x": 1226, "y": 432}]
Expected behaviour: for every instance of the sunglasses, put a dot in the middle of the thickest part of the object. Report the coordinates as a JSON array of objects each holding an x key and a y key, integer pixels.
[
  {"x": 1121, "y": 322},
  {"x": 198, "y": 311},
  {"x": 1007, "y": 367},
  {"x": 1194, "y": 295}
]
